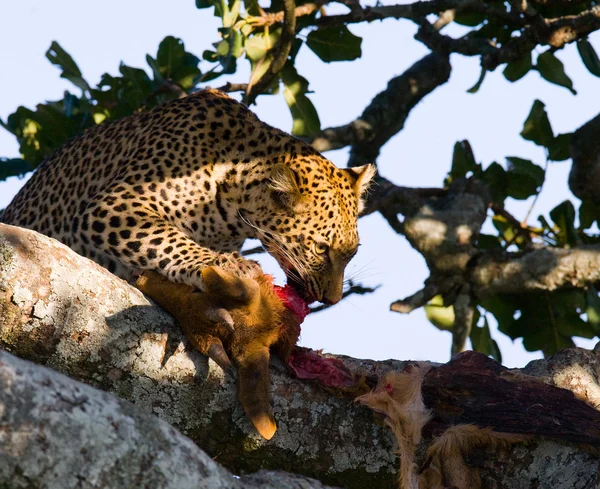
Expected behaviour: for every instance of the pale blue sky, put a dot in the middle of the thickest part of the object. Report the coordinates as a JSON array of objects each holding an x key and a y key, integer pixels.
[{"x": 100, "y": 35}]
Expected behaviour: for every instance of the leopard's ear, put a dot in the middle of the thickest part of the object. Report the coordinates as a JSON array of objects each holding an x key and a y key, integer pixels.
[
  {"x": 285, "y": 188},
  {"x": 363, "y": 178}
]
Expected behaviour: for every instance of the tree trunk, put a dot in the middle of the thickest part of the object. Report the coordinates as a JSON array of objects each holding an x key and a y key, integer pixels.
[{"x": 60, "y": 310}]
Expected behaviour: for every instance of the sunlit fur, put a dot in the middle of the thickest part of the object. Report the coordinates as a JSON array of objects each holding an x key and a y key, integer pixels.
[
  {"x": 182, "y": 186},
  {"x": 259, "y": 321},
  {"x": 399, "y": 397}
]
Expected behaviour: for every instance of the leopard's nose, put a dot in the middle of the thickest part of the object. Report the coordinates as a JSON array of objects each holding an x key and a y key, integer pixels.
[{"x": 331, "y": 298}]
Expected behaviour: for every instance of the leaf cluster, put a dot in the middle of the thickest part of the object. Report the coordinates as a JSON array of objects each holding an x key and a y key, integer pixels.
[
  {"x": 172, "y": 72},
  {"x": 545, "y": 321}
]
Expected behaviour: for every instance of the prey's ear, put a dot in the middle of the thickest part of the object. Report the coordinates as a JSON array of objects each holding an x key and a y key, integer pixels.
[
  {"x": 362, "y": 177},
  {"x": 284, "y": 184},
  {"x": 229, "y": 286}
]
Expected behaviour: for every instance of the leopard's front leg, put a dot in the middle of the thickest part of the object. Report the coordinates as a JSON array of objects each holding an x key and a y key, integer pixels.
[{"x": 127, "y": 239}]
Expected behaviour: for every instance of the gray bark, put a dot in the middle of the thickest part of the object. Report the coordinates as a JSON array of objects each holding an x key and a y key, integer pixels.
[
  {"x": 62, "y": 311},
  {"x": 58, "y": 433}
]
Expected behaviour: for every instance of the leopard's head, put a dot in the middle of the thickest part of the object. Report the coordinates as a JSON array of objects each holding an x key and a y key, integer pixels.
[{"x": 312, "y": 231}]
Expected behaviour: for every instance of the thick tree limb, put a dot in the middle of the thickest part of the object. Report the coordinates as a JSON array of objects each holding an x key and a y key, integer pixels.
[
  {"x": 545, "y": 269},
  {"x": 63, "y": 311},
  {"x": 58, "y": 433},
  {"x": 387, "y": 112}
]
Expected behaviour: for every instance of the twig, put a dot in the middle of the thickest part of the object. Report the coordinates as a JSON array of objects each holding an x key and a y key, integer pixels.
[
  {"x": 418, "y": 299},
  {"x": 268, "y": 20},
  {"x": 288, "y": 34},
  {"x": 233, "y": 87},
  {"x": 552, "y": 32},
  {"x": 419, "y": 10},
  {"x": 520, "y": 228},
  {"x": 253, "y": 251},
  {"x": 353, "y": 289}
]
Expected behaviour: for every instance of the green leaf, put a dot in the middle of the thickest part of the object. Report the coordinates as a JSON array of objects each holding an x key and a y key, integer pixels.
[
  {"x": 517, "y": 69},
  {"x": 51, "y": 125},
  {"x": 70, "y": 71},
  {"x": 13, "y": 167},
  {"x": 259, "y": 45},
  {"x": 589, "y": 57},
  {"x": 136, "y": 86},
  {"x": 463, "y": 162},
  {"x": 440, "y": 316},
  {"x": 537, "y": 126},
  {"x": 504, "y": 308},
  {"x": 558, "y": 149},
  {"x": 475, "y": 88},
  {"x": 252, "y": 7},
  {"x": 592, "y": 309},
  {"x": 210, "y": 56},
  {"x": 552, "y": 69},
  {"x": 152, "y": 63},
  {"x": 236, "y": 41},
  {"x": 258, "y": 69},
  {"x": 488, "y": 242},
  {"x": 469, "y": 19},
  {"x": 204, "y": 3},
  {"x": 563, "y": 216},
  {"x": 544, "y": 223},
  {"x": 505, "y": 228},
  {"x": 497, "y": 181},
  {"x": 481, "y": 340},
  {"x": 335, "y": 44},
  {"x": 228, "y": 50},
  {"x": 524, "y": 178},
  {"x": 575, "y": 326},
  {"x": 175, "y": 63},
  {"x": 588, "y": 214},
  {"x": 547, "y": 321},
  {"x": 304, "y": 114}
]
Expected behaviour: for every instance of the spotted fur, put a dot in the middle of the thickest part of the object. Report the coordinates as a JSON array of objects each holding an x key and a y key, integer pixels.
[{"x": 181, "y": 187}]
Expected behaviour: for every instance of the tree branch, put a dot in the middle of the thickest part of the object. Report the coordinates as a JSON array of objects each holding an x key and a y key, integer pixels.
[
  {"x": 352, "y": 289},
  {"x": 62, "y": 310},
  {"x": 233, "y": 87},
  {"x": 288, "y": 34},
  {"x": 387, "y": 112},
  {"x": 417, "y": 300},
  {"x": 269, "y": 19},
  {"x": 539, "y": 31},
  {"x": 545, "y": 269},
  {"x": 66, "y": 435},
  {"x": 419, "y": 10}
]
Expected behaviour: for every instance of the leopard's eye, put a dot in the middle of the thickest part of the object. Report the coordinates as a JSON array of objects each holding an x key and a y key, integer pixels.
[{"x": 321, "y": 248}]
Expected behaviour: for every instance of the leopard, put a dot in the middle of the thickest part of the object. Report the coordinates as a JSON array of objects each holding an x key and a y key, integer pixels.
[{"x": 182, "y": 186}]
